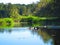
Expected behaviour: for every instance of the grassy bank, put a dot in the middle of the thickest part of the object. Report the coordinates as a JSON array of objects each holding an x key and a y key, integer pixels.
[
  {"x": 6, "y": 22},
  {"x": 32, "y": 20}
]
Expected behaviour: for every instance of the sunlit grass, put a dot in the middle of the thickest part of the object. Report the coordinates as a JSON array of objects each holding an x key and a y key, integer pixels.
[
  {"x": 37, "y": 21},
  {"x": 6, "y": 22}
]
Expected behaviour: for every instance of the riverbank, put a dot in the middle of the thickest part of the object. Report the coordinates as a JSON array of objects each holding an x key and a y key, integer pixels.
[{"x": 28, "y": 20}]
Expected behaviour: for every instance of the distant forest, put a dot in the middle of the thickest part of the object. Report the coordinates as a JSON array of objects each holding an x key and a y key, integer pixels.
[{"x": 44, "y": 8}]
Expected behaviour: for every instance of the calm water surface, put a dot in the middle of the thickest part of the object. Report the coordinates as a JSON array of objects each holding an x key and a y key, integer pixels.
[{"x": 24, "y": 36}]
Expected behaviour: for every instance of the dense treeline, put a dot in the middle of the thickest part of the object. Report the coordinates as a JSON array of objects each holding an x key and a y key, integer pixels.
[
  {"x": 44, "y": 8},
  {"x": 50, "y": 8},
  {"x": 14, "y": 10}
]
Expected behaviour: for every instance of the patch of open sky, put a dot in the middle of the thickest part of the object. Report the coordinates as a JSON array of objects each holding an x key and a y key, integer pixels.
[{"x": 19, "y": 1}]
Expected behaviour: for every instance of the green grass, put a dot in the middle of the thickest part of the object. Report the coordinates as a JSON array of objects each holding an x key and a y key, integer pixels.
[
  {"x": 34, "y": 20},
  {"x": 6, "y": 22}
]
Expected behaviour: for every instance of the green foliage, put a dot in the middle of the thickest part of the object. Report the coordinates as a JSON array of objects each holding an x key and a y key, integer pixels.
[
  {"x": 32, "y": 13},
  {"x": 6, "y": 22},
  {"x": 44, "y": 8},
  {"x": 48, "y": 8}
]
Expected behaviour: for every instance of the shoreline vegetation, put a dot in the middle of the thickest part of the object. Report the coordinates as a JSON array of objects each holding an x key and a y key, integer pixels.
[
  {"x": 24, "y": 21},
  {"x": 44, "y": 12}
]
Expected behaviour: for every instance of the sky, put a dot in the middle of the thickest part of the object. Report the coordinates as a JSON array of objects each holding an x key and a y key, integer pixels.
[{"x": 18, "y": 1}]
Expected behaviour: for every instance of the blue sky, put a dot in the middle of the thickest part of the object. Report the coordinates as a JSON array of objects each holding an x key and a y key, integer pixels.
[{"x": 18, "y": 1}]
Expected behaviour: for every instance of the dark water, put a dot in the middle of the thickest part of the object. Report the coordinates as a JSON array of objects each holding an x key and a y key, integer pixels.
[
  {"x": 25, "y": 36},
  {"x": 55, "y": 34}
]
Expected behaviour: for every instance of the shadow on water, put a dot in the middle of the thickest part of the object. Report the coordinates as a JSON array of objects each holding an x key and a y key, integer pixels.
[
  {"x": 55, "y": 34},
  {"x": 2, "y": 30},
  {"x": 43, "y": 34},
  {"x": 48, "y": 34}
]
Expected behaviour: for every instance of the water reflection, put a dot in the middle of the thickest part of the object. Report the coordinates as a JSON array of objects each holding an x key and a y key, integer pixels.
[
  {"x": 21, "y": 24},
  {"x": 24, "y": 36},
  {"x": 43, "y": 34},
  {"x": 55, "y": 33}
]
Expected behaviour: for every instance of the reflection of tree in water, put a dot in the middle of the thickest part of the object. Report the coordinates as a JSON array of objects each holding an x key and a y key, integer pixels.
[
  {"x": 6, "y": 30},
  {"x": 43, "y": 34},
  {"x": 47, "y": 34},
  {"x": 55, "y": 35},
  {"x": 1, "y": 30}
]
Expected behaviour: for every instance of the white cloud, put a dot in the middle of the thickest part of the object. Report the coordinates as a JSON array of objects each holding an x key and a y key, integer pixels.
[{"x": 18, "y": 1}]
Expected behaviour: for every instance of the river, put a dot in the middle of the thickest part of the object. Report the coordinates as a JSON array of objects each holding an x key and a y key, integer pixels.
[{"x": 24, "y": 36}]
